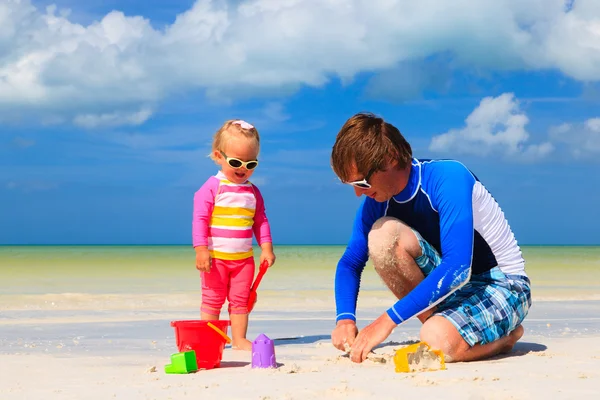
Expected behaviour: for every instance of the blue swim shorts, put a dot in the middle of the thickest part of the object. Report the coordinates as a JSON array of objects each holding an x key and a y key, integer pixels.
[{"x": 488, "y": 307}]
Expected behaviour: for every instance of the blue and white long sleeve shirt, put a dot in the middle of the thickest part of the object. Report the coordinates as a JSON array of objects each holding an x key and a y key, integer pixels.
[{"x": 454, "y": 213}]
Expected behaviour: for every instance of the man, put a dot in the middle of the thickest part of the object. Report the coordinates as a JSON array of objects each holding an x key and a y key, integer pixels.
[{"x": 438, "y": 240}]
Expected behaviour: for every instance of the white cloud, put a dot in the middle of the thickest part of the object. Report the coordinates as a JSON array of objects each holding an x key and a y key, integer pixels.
[
  {"x": 51, "y": 65},
  {"x": 593, "y": 125},
  {"x": 276, "y": 112},
  {"x": 534, "y": 152},
  {"x": 496, "y": 126},
  {"x": 112, "y": 119},
  {"x": 582, "y": 140}
]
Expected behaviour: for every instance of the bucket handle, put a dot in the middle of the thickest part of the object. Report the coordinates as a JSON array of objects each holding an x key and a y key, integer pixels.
[{"x": 220, "y": 332}]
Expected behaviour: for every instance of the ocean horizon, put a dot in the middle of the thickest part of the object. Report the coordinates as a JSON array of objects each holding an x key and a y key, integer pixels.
[{"x": 555, "y": 271}]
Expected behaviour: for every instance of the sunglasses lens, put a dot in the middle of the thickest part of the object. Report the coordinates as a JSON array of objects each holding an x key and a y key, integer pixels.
[
  {"x": 251, "y": 165},
  {"x": 234, "y": 163},
  {"x": 362, "y": 185}
]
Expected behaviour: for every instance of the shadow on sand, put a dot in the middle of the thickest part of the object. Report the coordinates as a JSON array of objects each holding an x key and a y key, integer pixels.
[
  {"x": 520, "y": 349},
  {"x": 300, "y": 339},
  {"x": 523, "y": 348},
  {"x": 233, "y": 364}
]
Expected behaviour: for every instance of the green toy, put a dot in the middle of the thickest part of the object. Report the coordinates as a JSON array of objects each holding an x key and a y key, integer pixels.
[{"x": 182, "y": 363}]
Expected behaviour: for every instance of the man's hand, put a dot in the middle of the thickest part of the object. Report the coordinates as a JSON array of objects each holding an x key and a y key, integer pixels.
[
  {"x": 370, "y": 337},
  {"x": 344, "y": 333},
  {"x": 266, "y": 254},
  {"x": 202, "y": 259}
]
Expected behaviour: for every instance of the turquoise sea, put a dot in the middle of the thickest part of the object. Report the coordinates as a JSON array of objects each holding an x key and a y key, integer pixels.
[{"x": 561, "y": 271}]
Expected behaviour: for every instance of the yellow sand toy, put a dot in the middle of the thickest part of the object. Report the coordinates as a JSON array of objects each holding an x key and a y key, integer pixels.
[{"x": 418, "y": 357}]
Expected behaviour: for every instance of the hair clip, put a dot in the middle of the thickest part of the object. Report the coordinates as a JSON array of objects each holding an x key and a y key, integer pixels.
[{"x": 243, "y": 124}]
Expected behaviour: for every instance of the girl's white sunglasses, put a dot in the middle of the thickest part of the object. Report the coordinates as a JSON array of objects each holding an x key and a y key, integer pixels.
[{"x": 237, "y": 163}]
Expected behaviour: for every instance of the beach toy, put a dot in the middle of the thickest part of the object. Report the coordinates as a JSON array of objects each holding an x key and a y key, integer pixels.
[
  {"x": 264, "y": 266},
  {"x": 220, "y": 332},
  {"x": 207, "y": 341},
  {"x": 263, "y": 352},
  {"x": 182, "y": 363},
  {"x": 418, "y": 357}
]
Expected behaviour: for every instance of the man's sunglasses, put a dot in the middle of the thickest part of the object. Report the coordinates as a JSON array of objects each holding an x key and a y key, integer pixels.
[
  {"x": 363, "y": 184},
  {"x": 237, "y": 163}
]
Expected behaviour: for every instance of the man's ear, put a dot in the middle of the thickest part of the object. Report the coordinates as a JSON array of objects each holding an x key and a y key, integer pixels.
[{"x": 393, "y": 163}]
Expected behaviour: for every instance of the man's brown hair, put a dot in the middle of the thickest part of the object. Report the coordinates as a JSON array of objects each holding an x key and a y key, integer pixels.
[{"x": 369, "y": 143}]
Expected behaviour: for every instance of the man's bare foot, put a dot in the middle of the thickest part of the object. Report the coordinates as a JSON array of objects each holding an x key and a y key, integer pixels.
[
  {"x": 513, "y": 338},
  {"x": 242, "y": 344}
]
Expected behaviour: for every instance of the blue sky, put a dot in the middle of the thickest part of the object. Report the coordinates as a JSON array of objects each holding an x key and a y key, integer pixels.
[{"x": 107, "y": 109}]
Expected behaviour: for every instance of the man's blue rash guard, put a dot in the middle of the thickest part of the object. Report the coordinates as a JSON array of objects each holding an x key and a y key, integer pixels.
[{"x": 438, "y": 202}]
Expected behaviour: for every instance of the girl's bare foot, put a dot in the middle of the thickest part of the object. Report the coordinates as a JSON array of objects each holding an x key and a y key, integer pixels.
[{"x": 242, "y": 344}]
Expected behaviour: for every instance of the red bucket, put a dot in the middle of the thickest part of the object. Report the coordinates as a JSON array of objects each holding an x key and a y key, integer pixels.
[{"x": 206, "y": 342}]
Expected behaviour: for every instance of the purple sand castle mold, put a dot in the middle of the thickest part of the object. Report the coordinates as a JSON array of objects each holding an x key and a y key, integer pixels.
[{"x": 263, "y": 352}]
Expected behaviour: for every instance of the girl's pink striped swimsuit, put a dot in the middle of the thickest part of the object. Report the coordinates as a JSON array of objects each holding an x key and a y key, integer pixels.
[{"x": 225, "y": 216}]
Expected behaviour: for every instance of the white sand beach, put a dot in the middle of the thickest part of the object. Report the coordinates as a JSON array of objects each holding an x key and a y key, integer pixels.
[
  {"x": 114, "y": 344},
  {"x": 121, "y": 357}
]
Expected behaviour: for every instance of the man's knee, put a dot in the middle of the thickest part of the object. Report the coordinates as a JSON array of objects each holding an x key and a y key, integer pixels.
[
  {"x": 441, "y": 334},
  {"x": 388, "y": 237}
]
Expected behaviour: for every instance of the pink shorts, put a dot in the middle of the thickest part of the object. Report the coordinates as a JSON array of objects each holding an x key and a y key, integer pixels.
[{"x": 227, "y": 279}]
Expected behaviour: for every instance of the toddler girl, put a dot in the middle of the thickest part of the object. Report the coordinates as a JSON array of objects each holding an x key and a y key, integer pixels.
[{"x": 227, "y": 210}]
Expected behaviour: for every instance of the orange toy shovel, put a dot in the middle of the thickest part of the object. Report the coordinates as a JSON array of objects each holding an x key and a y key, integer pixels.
[{"x": 253, "y": 296}]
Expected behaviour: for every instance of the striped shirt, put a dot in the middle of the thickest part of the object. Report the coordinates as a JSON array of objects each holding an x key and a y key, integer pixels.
[{"x": 226, "y": 215}]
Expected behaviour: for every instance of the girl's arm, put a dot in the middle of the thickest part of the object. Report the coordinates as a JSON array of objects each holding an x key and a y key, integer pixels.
[
  {"x": 204, "y": 202},
  {"x": 262, "y": 230},
  {"x": 261, "y": 227}
]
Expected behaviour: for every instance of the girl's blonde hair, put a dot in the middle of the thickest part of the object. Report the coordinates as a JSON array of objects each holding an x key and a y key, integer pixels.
[{"x": 231, "y": 128}]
